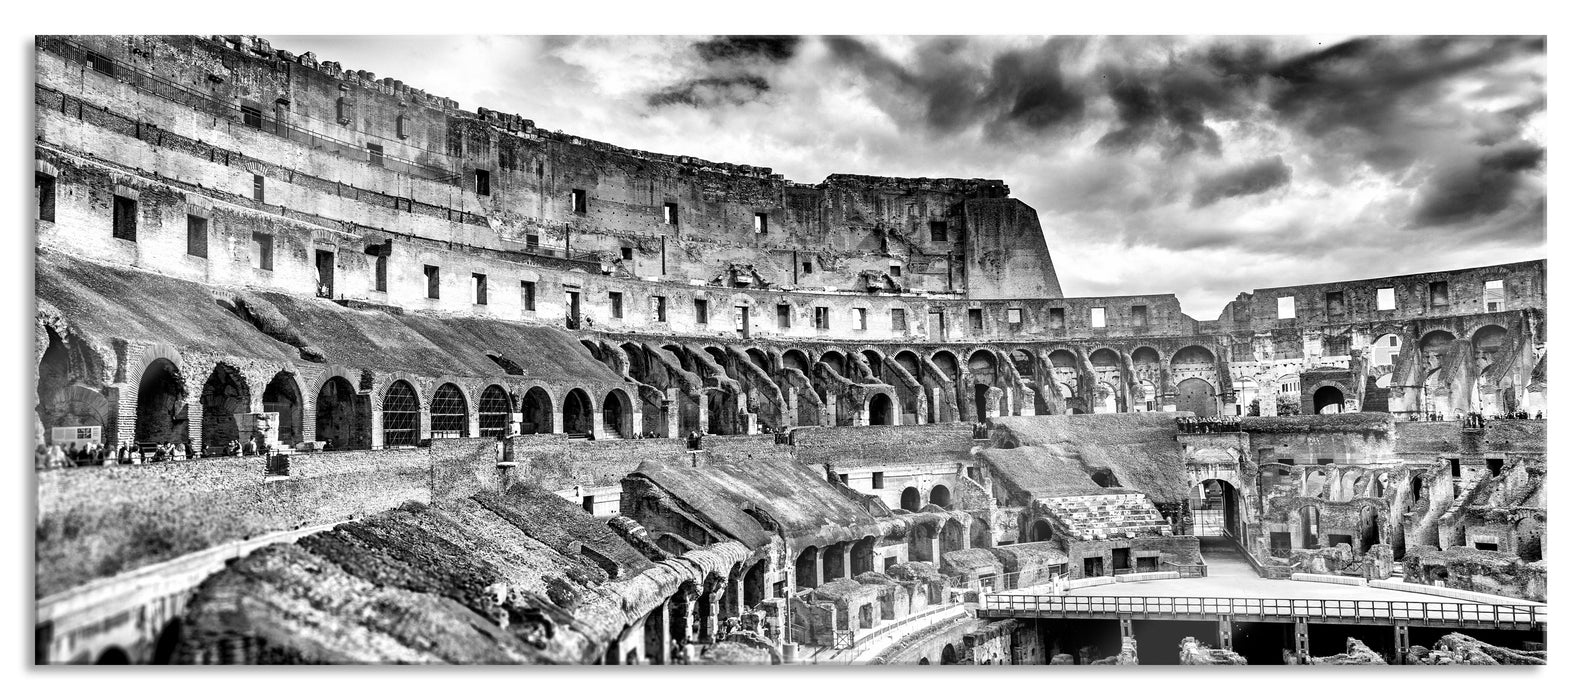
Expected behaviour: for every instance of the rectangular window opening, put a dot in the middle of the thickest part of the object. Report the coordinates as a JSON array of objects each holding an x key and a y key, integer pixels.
[
  {"x": 672, "y": 214},
  {"x": 760, "y": 223},
  {"x": 1285, "y": 307},
  {"x": 821, "y": 317},
  {"x": 382, "y": 273},
  {"x": 1139, "y": 316},
  {"x": 659, "y": 309},
  {"x": 898, "y": 320},
  {"x": 975, "y": 319},
  {"x": 700, "y": 310},
  {"x": 258, "y": 188},
  {"x": 579, "y": 201},
  {"x": 1334, "y": 304},
  {"x": 807, "y": 268},
  {"x": 123, "y": 215},
  {"x": 1384, "y": 298},
  {"x": 783, "y": 316},
  {"x": 44, "y": 185},
  {"x": 480, "y": 179},
  {"x": 1494, "y": 295},
  {"x": 626, "y": 253},
  {"x": 529, "y": 295},
  {"x": 859, "y": 319},
  {"x": 376, "y": 154},
  {"x": 1057, "y": 319},
  {"x": 878, "y": 480},
  {"x": 480, "y": 288},
  {"x": 264, "y": 251},
  {"x": 252, "y": 117},
  {"x": 197, "y": 236},
  {"x": 615, "y": 305},
  {"x": 1438, "y": 294},
  {"x": 937, "y": 232},
  {"x": 431, "y": 275},
  {"x": 1097, "y": 316}
]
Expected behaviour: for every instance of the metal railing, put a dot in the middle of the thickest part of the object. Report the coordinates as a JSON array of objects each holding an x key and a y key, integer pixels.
[
  {"x": 181, "y": 94},
  {"x": 1313, "y": 609}
]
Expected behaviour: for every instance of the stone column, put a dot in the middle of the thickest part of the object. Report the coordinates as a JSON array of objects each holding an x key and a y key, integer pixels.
[
  {"x": 818, "y": 567},
  {"x": 711, "y": 623},
  {"x": 703, "y": 412},
  {"x": 933, "y": 544},
  {"x": 1226, "y": 629},
  {"x": 1402, "y": 642},
  {"x": 845, "y": 555},
  {"x": 1303, "y": 644}
]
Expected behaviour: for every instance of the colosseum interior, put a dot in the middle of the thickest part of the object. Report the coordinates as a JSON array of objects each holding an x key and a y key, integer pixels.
[{"x": 379, "y": 380}]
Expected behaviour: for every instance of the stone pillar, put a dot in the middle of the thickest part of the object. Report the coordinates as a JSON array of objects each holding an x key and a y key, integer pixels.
[
  {"x": 1226, "y": 629},
  {"x": 711, "y": 623},
  {"x": 1402, "y": 642},
  {"x": 933, "y": 545},
  {"x": 557, "y": 420},
  {"x": 376, "y": 428},
  {"x": 738, "y": 596},
  {"x": 845, "y": 555},
  {"x": 830, "y": 418},
  {"x": 663, "y": 611},
  {"x": 689, "y": 616},
  {"x": 672, "y": 414},
  {"x": 1303, "y": 643},
  {"x": 933, "y": 405},
  {"x": 1126, "y": 628},
  {"x": 703, "y": 412},
  {"x": 818, "y": 567}
]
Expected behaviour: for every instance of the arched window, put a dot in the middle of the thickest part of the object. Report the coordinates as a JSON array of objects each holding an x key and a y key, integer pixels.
[
  {"x": 400, "y": 414},
  {"x": 448, "y": 412},
  {"x": 494, "y": 412}
]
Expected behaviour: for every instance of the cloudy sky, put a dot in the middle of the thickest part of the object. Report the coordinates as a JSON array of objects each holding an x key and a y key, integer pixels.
[{"x": 1200, "y": 166}]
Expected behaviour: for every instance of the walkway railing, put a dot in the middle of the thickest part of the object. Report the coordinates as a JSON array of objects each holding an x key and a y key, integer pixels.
[
  {"x": 1186, "y": 570},
  {"x": 1313, "y": 609},
  {"x": 1252, "y": 561}
]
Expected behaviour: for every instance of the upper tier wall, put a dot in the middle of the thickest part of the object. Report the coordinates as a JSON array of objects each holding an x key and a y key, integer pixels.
[{"x": 521, "y": 187}]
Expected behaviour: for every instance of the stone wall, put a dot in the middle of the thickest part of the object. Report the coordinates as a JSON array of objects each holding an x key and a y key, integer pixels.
[{"x": 95, "y": 522}]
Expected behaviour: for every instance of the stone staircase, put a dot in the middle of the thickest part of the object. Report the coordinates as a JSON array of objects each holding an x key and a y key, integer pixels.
[{"x": 1108, "y": 516}]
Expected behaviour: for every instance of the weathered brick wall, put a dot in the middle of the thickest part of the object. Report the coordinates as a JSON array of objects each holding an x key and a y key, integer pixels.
[
  {"x": 1428, "y": 438},
  {"x": 736, "y": 447},
  {"x": 890, "y": 444},
  {"x": 95, "y": 522}
]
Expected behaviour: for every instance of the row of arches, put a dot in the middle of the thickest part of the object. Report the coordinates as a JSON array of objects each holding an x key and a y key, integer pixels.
[{"x": 343, "y": 415}]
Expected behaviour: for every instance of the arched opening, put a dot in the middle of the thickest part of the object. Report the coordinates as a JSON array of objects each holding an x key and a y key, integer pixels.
[
  {"x": 909, "y": 362},
  {"x": 947, "y": 365},
  {"x": 920, "y": 542},
  {"x": 1365, "y": 486},
  {"x": 448, "y": 412},
  {"x": 1042, "y": 531},
  {"x": 836, "y": 361},
  {"x": 1040, "y": 406},
  {"x": 979, "y": 535},
  {"x": 947, "y": 656},
  {"x": 401, "y": 419},
  {"x": 161, "y": 404},
  {"x": 1307, "y": 527},
  {"x": 1433, "y": 346},
  {"x": 862, "y": 556},
  {"x": 795, "y": 359},
  {"x": 1144, "y": 357},
  {"x": 1022, "y": 360},
  {"x": 282, "y": 398},
  {"x": 879, "y": 407},
  {"x": 1328, "y": 400},
  {"x": 951, "y": 537},
  {"x": 617, "y": 414},
  {"x": 758, "y": 358},
  {"x": 538, "y": 412},
  {"x": 1215, "y": 507},
  {"x": 494, "y": 412},
  {"x": 1103, "y": 398},
  {"x": 1197, "y": 396},
  {"x": 342, "y": 418},
  {"x": 940, "y": 496},
  {"x": 874, "y": 360},
  {"x": 911, "y": 499},
  {"x": 114, "y": 656},
  {"x": 807, "y": 568},
  {"x": 576, "y": 414},
  {"x": 923, "y": 661},
  {"x": 62, "y": 402},
  {"x": 224, "y": 395},
  {"x": 834, "y": 563},
  {"x": 980, "y": 399},
  {"x": 753, "y": 584}
]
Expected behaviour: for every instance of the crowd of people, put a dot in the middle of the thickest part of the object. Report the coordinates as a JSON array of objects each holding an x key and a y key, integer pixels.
[
  {"x": 1475, "y": 419},
  {"x": 83, "y": 454},
  {"x": 1208, "y": 424}
]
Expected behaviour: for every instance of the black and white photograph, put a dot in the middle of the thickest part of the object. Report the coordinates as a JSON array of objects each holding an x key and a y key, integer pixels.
[{"x": 855, "y": 349}]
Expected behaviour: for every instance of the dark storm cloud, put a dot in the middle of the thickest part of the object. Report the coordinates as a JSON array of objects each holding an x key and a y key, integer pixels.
[
  {"x": 777, "y": 49},
  {"x": 1255, "y": 177},
  {"x": 1168, "y": 105},
  {"x": 1018, "y": 91},
  {"x": 1374, "y": 87},
  {"x": 1486, "y": 186},
  {"x": 711, "y": 92}
]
